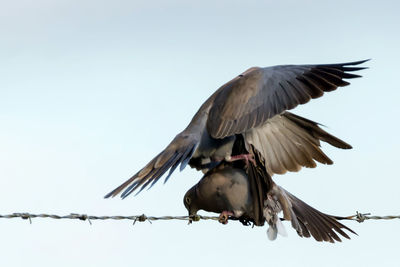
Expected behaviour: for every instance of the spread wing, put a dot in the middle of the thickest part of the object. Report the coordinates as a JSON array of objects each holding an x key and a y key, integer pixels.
[
  {"x": 289, "y": 142},
  {"x": 179, "y": 151},
  {"x": 258, "y": 94}
]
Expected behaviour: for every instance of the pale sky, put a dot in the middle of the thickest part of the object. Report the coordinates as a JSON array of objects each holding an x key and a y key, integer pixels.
[{"x": 90, "y": 91}]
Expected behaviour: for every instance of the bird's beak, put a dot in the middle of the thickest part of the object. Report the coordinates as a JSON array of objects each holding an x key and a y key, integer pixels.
[{"x": 193, "y": 215}]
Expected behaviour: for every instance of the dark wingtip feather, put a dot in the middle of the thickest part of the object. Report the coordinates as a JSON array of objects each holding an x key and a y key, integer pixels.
[
  {"x": 356, "y": 62},
  {"x": 128, "y": 191},
  {"x": 108, "y": 195},
  {"x": 171, "y": 171},
  {"x": 344, "y": 67},
  {"x": 176, "y": 153},
  {"x": 186, "y": 157},
  {"x": 117, "y": 190},
  {"x": 354, "y": 69}
]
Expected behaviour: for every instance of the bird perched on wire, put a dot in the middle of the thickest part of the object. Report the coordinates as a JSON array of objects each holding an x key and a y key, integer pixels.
[
  {"x": 250, "y": 112},
  {"x": 247, "y": 193}
]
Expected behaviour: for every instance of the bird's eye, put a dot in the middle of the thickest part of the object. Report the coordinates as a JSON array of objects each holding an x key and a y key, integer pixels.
[{"x": 187, "y": 200}]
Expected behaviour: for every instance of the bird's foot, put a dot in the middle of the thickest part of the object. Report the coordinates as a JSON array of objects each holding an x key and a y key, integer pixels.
[
  {"x": 246, "y": 157},
  {"x": 193, "y": 218},
  {"x": 224, "y": 216},
  {"x": 245, "y": 221}
]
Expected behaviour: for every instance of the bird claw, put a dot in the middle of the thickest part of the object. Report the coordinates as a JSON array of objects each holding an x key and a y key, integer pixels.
[
  {"x": 246, "y": 157},
  {"x": 194, "y": 218},
  {"x": 245, "y": 221},
  {"x": 224, "y": 216}
]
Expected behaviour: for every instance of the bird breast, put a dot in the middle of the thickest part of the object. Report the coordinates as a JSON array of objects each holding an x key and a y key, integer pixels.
[{"x": 225, "y": 190}]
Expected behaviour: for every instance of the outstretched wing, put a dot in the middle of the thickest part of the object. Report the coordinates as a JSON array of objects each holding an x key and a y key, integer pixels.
[
  {"x": 258, "y": 94},
  {"x": 179, "y": 151},
  {"x": 288, "y": 142}
]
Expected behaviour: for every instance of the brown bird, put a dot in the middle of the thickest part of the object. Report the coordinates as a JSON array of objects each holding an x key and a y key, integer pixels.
[
  {"x": 227, "y": 189},
  {"x": 252, "y": 109}
]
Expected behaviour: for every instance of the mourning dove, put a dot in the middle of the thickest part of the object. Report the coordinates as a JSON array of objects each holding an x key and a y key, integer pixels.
[
  {"x": 253, "y": 107},
  {"x": 227, "y": 190}
]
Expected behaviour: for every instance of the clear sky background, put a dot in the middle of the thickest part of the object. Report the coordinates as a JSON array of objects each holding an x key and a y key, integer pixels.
[{"x": 90, "y": 91}]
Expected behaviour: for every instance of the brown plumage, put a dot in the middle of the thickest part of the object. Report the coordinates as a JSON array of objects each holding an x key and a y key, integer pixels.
[
  {"x": 229, "y": 188},
  {"x": 253, "y": 106}
]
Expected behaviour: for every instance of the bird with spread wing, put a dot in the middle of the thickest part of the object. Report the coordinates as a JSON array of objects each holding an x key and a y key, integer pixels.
[
  {"x": 253, "y": 106},
  {"x": 246, "y": 119}
]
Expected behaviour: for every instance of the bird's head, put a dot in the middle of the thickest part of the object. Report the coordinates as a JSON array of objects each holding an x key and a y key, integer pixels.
[{"x": 190, "y": 201}]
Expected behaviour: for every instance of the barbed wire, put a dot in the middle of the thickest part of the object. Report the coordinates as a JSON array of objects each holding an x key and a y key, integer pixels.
[
  {"x": 359, "y": 217},
  {"x": 90, "y": 218}
]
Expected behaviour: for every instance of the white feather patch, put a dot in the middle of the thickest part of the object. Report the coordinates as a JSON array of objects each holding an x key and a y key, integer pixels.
[
  {"x": 272, "y": 233},
  {"x": 281, "y": 228}
]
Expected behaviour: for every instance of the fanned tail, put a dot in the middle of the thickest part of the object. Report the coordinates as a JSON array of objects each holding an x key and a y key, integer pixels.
[{"x": 306, "y": 220}]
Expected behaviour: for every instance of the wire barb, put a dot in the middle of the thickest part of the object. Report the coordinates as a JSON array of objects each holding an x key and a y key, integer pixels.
[{"x": 359, "y": 217}]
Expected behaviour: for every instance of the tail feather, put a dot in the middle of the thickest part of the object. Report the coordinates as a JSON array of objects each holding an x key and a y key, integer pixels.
[
  {"x": 306, "y": 220},
  {"x": 330, "y": 221}
]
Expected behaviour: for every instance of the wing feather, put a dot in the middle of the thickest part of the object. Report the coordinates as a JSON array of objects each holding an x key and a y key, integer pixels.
[
  {"x": 288, "y": 160},
  {"x": 179, "y": 151},
  {"x": 240, "y": 102},
  {"x": 288, "y": 142}
]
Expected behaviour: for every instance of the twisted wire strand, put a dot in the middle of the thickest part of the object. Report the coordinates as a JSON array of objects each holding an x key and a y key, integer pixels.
[
  {"x": 359, "y": 217},
  {"x": 90, "y": 218}
]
